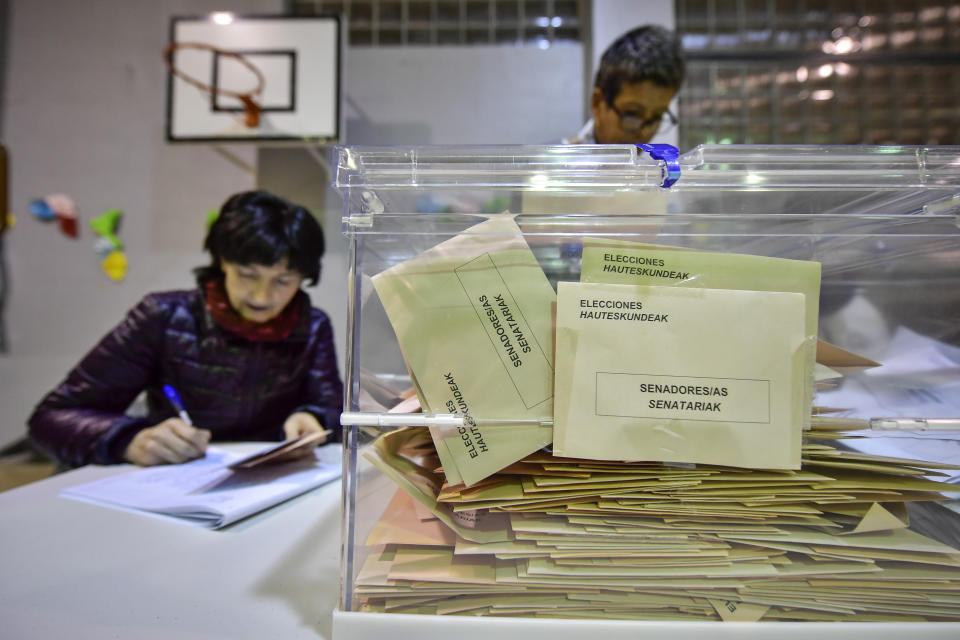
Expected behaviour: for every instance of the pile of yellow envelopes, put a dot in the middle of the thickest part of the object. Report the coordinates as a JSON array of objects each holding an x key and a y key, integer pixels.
[{"x": 574, "y": 538}]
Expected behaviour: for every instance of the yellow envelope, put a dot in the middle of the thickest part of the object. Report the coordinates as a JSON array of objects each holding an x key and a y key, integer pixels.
[
  {"x": 707, "y": 376},
  {"x": 400, "y": 524},
  {"x": 422, "y": 487},
  {"x": 621, "y": 262},
  {"x": 440, "y": 565},
  {"x": 473, "y": 317},
  {"x": 732, "y": 611}
]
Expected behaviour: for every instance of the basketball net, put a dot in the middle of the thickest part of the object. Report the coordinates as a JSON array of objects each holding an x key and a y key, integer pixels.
[{"x": 250, "y": 107}]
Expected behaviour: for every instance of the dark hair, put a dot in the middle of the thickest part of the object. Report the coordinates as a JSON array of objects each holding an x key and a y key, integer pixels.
[
  {"x": 257, "y": 227},
  {"x": 649, "y": 52}
]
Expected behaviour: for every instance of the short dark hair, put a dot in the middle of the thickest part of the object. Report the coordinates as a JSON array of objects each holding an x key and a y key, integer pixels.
[
  {"x": 649, "y": 52},
  {"x": 257, "y": 227}
]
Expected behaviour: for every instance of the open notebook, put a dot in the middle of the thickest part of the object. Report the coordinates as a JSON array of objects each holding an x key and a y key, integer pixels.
[{"x": 207, "y": 492}]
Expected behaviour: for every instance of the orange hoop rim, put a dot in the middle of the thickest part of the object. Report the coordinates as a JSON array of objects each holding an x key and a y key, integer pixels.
[
  {"x": 251, "y": 108},
  {"x": 173, "y": 47}
]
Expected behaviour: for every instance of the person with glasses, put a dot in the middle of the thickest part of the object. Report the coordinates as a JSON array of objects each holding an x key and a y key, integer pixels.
[{"x": 639, "y": 75}]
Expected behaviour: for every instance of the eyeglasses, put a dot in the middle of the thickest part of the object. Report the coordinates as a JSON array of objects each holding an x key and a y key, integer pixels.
[{"x": 632, "y": 122}]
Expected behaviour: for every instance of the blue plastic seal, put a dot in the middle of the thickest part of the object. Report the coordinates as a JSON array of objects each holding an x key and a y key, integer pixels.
[{"x": 670, "y": 155}]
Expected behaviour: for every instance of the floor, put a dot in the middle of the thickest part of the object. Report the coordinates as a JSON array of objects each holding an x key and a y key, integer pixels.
[{"x": 20, "y": 466}]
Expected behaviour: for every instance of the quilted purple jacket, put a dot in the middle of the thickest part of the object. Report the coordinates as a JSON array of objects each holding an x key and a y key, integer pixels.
[{"x": 239, "y": 390}]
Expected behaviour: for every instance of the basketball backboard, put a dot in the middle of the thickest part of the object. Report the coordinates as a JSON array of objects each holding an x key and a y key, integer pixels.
[{"x": 288, "y": 67}]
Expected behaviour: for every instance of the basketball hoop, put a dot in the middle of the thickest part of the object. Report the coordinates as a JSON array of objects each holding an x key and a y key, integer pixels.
[{"x": 250, "y": 108}]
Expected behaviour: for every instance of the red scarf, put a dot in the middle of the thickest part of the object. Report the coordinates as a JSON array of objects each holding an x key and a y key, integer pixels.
[{"x": 279, "y": 328}]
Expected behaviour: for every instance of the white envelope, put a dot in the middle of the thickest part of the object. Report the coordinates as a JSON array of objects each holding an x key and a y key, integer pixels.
[{"x": 675, "y": 374}]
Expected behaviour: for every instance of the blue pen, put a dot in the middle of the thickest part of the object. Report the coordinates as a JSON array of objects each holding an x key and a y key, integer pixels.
[{"x": 177, "y": 403}]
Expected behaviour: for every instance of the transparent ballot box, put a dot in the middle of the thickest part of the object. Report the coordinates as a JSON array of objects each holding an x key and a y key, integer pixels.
[{"x": 592, "y": 386}]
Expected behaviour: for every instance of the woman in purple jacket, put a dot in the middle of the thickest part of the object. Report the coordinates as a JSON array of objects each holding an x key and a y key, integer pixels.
[{"x": 251, "y": 358}]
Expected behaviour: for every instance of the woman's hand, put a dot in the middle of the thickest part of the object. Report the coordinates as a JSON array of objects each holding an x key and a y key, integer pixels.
[
  {"x": 171, "y": 442},
  {"x": 301, "y": 424}
]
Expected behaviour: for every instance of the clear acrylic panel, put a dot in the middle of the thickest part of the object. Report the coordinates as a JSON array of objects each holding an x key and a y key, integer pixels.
[{"x": 881, "y": 221}]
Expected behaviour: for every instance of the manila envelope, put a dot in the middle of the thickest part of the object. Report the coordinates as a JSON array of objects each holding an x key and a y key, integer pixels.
[
  {"x": 401, "y": 524},
  {"x": 473, "y": 317},
  {"x": 710, "y": 376},
  {"x": 620, "y": 262},
  {"x": 422, "y": 486}
]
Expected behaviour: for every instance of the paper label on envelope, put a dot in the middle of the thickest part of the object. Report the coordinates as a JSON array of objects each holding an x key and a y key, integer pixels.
[
  {"x": 622, "y": 262},
  {"x": 511, "y": 336},
  {"x": 474, "y": 319},
  {"x": 709, "y": 376}
]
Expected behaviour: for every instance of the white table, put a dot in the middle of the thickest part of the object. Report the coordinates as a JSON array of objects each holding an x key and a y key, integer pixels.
[{"x": 76, "y": 570}]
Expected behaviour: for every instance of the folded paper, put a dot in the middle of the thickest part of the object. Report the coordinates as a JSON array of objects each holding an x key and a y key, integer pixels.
[{"x": 473, "y": 317}]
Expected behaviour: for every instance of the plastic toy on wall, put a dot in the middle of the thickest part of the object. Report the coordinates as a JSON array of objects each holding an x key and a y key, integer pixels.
[
  {"x": 59, "y": 207},
  {"x": 108, "y": 246},
  {"x": 115, "y": 265}
]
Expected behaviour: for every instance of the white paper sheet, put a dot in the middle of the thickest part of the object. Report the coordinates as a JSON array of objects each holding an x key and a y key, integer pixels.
[{"x": 204, "y": 492}]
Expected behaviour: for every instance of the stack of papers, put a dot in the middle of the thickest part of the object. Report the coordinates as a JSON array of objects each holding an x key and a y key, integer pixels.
[
  {"x": 207, "y": 492},
  {"x": 575, "y": 538}
]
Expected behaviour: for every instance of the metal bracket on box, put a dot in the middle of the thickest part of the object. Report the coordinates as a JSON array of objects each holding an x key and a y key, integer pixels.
[
  {"x": 669, "y": 155},
  {"x": 370, "y": 205}
]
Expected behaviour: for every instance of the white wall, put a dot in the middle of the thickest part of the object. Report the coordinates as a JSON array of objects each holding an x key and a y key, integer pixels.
[
  {"x": 4, "y": 46},
  {"x": 463, "y": 95},
  {"x": 83, "y": 114}
]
